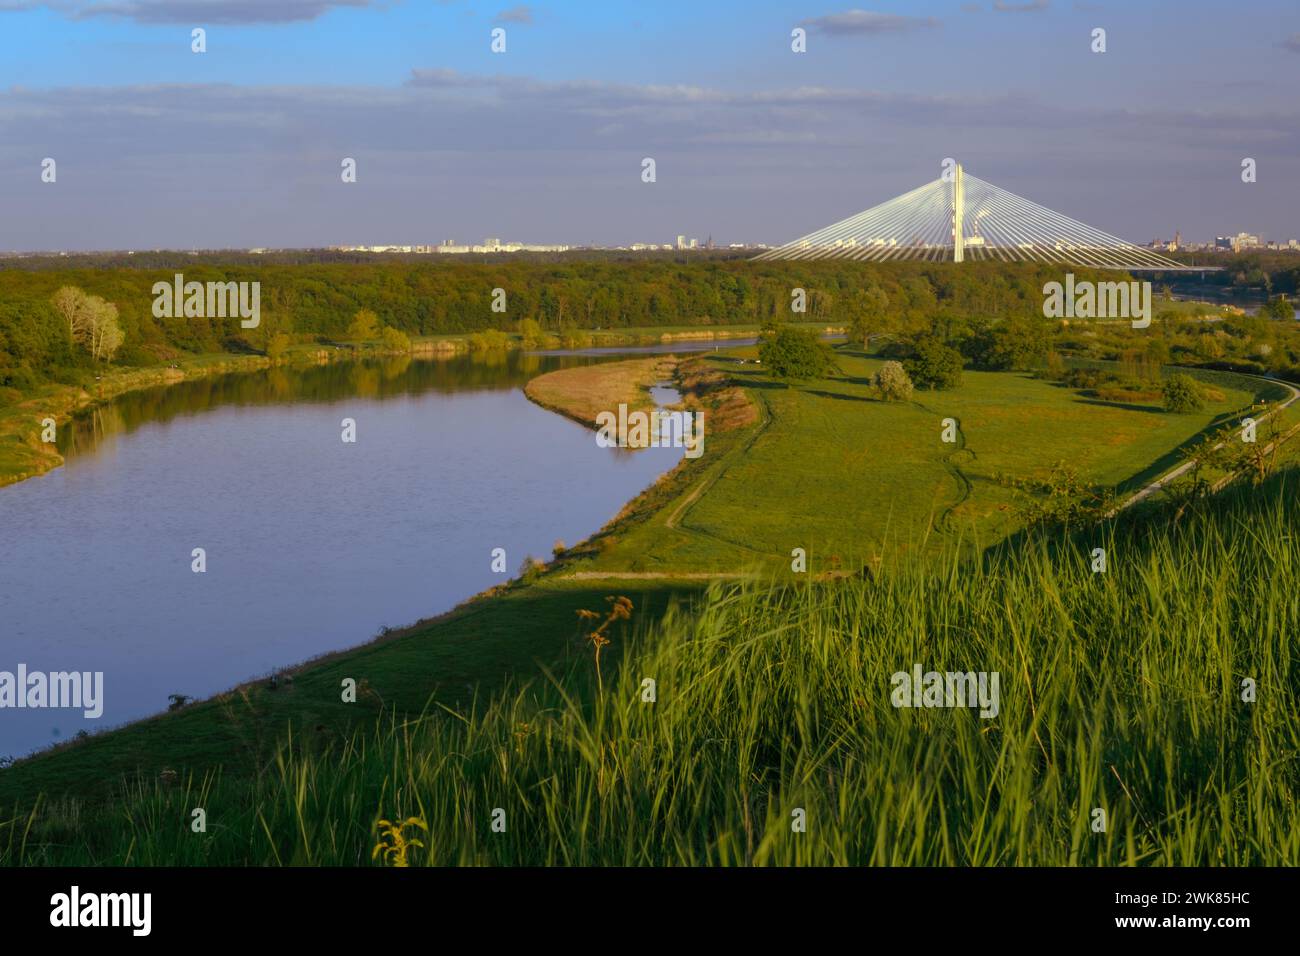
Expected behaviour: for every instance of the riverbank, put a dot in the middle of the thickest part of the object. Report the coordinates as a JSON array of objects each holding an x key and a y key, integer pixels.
[
  {"x": 803, "y": 484},
  {"x": 23, "y": 453},
  {"x": 484, "y": 641}
]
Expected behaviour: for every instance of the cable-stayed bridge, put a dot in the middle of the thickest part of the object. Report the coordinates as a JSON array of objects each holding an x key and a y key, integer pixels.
[{"x": 958, "y": 218}]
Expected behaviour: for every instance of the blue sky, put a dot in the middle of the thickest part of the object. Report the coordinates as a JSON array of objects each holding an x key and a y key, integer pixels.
[{"x": 240, "y": 146}]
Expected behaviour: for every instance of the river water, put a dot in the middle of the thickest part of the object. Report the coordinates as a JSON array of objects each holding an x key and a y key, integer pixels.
[{"x": 311, "y": 544}]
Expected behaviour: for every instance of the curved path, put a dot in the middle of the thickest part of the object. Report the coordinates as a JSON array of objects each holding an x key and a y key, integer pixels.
[{"x": 1176, "y": 473}]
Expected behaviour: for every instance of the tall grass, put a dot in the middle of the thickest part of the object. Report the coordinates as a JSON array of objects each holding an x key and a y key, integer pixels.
[{"x": 1120, "y": 691}]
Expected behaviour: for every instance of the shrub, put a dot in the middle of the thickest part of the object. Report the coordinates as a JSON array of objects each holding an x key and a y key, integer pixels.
[
  {"x": 1007, "y": 345},
  {"x": 278, "y": 345},
  {"x": 395, "y": 340},
  {"x": 1279, "y": 308},
  {"x": 571, "y": 337},
  {"x": 934, "y": 364},
  {"x": 530, "y": 334},
  {"x": 1084, "y": 377},
  {"x": 893, "y": 383},
  {"x": 488, "y": 340},
  {"x": 1182, "y": 394},
  {"x": 1055, "y": 366},
  {"x": 530, "y": 569},
  {"x": 796, "y": 355}
]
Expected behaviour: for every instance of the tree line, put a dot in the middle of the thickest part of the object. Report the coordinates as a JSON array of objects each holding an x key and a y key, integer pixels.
[{"x": 305, "y": 300}]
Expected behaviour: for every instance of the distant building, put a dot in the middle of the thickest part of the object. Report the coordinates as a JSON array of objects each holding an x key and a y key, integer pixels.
[{"x": 1242, "y": 240}]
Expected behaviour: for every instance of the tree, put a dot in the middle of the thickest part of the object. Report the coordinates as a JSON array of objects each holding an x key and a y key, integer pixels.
[
  {"x": 893, "y": 383},
  {"x": 105, "y": 332},
  {"x": 1182, "y": 394},
  {"x": 364, "y": 327},
  {"x": 1007, "y": 345},
  {"x": 934, "y": 363},
  {"x": 70, "y": 303},
  {"x": 869, "y": 315},
  {"x": 795, "y": 354},
  {"x": 92, "y": 322}
]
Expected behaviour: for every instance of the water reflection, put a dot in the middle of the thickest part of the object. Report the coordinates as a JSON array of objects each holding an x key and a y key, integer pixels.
[
  {"x": 379, "y": 378},
  {"x": 310, "y": 543}
]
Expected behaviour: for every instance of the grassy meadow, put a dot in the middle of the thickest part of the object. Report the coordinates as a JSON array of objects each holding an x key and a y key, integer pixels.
[{"x": 853, "y": 479}]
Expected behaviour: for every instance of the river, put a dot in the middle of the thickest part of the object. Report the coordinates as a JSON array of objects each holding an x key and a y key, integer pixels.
[{"x": 311, "y": 544}]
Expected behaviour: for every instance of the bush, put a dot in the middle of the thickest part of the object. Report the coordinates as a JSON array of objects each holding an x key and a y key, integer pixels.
[
  {"x": 1182, "y": 394},
  {"x": 20, "y": 378},
  {"x": 531, "y": 334},
  {"x": 1276, "y": 307},
  {"x": 892, "y": 381},
  {"x": 796, "y": 355},
  {"x": 395, "y": 340},
  {"x": 1007, "y": 346},
  {"x": 1086, "y": 377},
  {"x": 571, "y": 337},
  {"x": 530, "y": 569},
  {"x": 278, "y": 345},
  {"x": 488, "y": 341},
  {"x": 934, "y": 364}
]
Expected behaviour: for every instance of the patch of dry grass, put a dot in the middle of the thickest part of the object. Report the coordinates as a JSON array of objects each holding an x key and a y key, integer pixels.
[{"x": 584, "y": 392}]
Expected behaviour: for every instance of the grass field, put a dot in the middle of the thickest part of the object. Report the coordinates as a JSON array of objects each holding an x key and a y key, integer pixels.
[{"x": 850, "y": 478}]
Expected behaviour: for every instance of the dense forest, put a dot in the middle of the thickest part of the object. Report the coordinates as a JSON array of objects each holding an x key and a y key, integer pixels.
[{"x": 314, "y": 297}]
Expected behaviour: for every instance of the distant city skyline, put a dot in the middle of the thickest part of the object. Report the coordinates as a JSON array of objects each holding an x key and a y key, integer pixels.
[{"x": 241, "y": 146}]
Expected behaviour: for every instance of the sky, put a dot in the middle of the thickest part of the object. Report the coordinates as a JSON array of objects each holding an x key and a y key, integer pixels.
[{"x": 156, "y": 146}]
